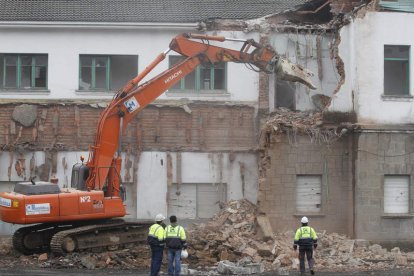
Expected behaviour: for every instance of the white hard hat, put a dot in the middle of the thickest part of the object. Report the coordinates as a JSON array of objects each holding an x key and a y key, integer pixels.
[
  {"x": 184, "y": 254},
  {"x": 159, "y": 217},
  {"x": 304, "y": 220}
]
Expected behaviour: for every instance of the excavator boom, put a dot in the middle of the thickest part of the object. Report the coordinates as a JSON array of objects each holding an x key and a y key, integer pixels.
[{"x": 131, "y": 99}]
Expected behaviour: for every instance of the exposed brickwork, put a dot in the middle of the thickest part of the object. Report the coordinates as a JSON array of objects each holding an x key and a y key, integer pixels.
[
  {"x": 263, "y": 92},
  {"x": 344, "y": 6},
  {"x": 208, "y": 127},
  {"x": 263, "y": 83}
]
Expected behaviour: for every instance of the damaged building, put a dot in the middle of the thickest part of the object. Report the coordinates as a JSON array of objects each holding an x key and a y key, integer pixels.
[{"x": 340, "y": 154}]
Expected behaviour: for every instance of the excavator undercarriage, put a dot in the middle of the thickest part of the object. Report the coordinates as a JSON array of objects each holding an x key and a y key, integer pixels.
[{"x": 95, "y": 236}]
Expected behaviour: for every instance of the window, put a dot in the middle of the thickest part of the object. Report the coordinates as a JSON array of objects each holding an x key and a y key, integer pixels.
[
  {"x": 23, "y": 71},
  {"x": 396, "y": 194},
  {"x": 285, "y": 94},
  {"x": 308, "y": 193},
  {"x": 106, "y": 73},
  {"x": 396, "y": 70},
  {"x": 205, "y": 78}
]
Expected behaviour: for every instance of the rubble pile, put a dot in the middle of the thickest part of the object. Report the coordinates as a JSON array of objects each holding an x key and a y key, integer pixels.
[
  {"x": 136, "y": 257},
  {"x": 284, "y": 118},
  {"x": 232, "y": 242},
  {"x": 292, "y": 123},
  {"x": 228, "y": 236},
  {"x": 233, "y": 239}
]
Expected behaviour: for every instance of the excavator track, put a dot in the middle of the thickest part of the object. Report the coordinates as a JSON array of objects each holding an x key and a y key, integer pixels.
[
  {"x": 99, "y": 237},
  {"x": 35, "y": 239},
  {"x": 86, "y": 236}
]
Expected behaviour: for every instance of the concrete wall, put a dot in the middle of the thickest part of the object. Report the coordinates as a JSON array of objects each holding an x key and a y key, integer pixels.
[
  {"x": 149, "y": 194},
  {"x": 64, "y": 45},
  {"x": 362, "y": 50},
  {"x": 277, "y": 194},
  {"x": 196, "y": 168},
  {"x": 380, "y": 154}
]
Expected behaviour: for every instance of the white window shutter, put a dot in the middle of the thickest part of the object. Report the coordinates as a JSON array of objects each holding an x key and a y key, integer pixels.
[
  {"x": 396, "y": 194},
  {"x": 308, "y": 193}
]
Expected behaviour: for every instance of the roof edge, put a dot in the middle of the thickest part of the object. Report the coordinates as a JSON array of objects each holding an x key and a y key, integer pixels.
[{"x": 60, "y": 24}]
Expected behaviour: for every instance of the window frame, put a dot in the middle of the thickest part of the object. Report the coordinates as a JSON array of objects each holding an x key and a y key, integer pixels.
[
  {"x": 407, "y": 85},
  {"x": 93, "y": 73},
  {"x": 20, "y": 67},
  {"x": 199, "y": 90}
]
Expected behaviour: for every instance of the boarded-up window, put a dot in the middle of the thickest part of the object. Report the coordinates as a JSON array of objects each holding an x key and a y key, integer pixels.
[
  {"x": 396, "y": 194},
  {"x": 308, "y": 193},
  {"x": 396, "y": 70},
  {"x": 193, "y": 201}
]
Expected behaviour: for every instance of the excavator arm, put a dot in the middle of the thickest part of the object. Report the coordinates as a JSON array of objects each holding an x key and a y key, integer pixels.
[{"x": 104, "y": 165}]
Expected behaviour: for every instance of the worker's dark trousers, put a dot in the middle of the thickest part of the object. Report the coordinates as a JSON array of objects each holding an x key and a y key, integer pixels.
[
  {"x": 156, "y": 260},
  {"x": 308, "y": 250}
]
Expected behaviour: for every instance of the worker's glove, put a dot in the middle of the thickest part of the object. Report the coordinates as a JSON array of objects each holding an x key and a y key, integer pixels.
[
  {"x": 185, "y": 245},
  {"x": 295, "y": 247},
  {"x": 315, "y": 245}
]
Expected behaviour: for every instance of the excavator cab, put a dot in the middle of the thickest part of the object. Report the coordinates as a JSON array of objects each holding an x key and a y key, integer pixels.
[{"x": 80, "y": 173}]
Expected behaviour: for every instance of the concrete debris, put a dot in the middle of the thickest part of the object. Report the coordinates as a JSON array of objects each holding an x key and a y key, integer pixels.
[
  {"x": 226, "y": 267},
  {"x": 222, "y": 240},
  {"x": 301, "y": 121},
  {"x": 264, "y": 223},
  {"x": 217, "y": 247},
  {"x": 25, "y": 114},
  {"x": 321, "y": 101},
  {"x": 292, "y": 123}
]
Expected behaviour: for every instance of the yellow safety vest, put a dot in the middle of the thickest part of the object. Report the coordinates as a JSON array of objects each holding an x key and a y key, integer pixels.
[
  {"x": 156, "y": 235},
  {"x": 174, "y": 236}
]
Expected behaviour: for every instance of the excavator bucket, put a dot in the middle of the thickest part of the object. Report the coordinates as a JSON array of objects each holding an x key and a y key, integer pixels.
[{"x": 289, "y": 71}]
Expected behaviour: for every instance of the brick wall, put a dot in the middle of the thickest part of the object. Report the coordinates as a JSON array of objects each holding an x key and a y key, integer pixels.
[
  {"x": 277, "y": 193},
  {"x": 208, "y": 127}
]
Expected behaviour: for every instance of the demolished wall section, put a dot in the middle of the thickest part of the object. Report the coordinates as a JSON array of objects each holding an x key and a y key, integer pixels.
[{"x": 193, "y": 128}]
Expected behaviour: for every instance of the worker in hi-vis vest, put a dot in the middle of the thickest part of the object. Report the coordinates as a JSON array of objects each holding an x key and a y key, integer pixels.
[
  {"x": 157, "y": 242},
  {"x": 175, "y": 240},
  {"x": 307, "y": 240}
]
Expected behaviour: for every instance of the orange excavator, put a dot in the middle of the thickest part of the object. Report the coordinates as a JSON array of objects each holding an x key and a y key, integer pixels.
[{"x": 88, "y": 215}]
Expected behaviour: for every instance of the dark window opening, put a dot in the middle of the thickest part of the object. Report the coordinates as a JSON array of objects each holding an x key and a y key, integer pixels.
[
  {"x": 396, "y": 70},
  {"x": 23, "y": 71},
  {"x": 285, "y": 94},
  {"x": 106, "y": 73}
]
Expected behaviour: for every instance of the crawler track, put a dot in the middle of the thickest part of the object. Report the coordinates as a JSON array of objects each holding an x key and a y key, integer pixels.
[
  {"x": 62, "y": 239},
  {"x": 35, "y": 239},
  {"x": 100, "y": 237}
]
